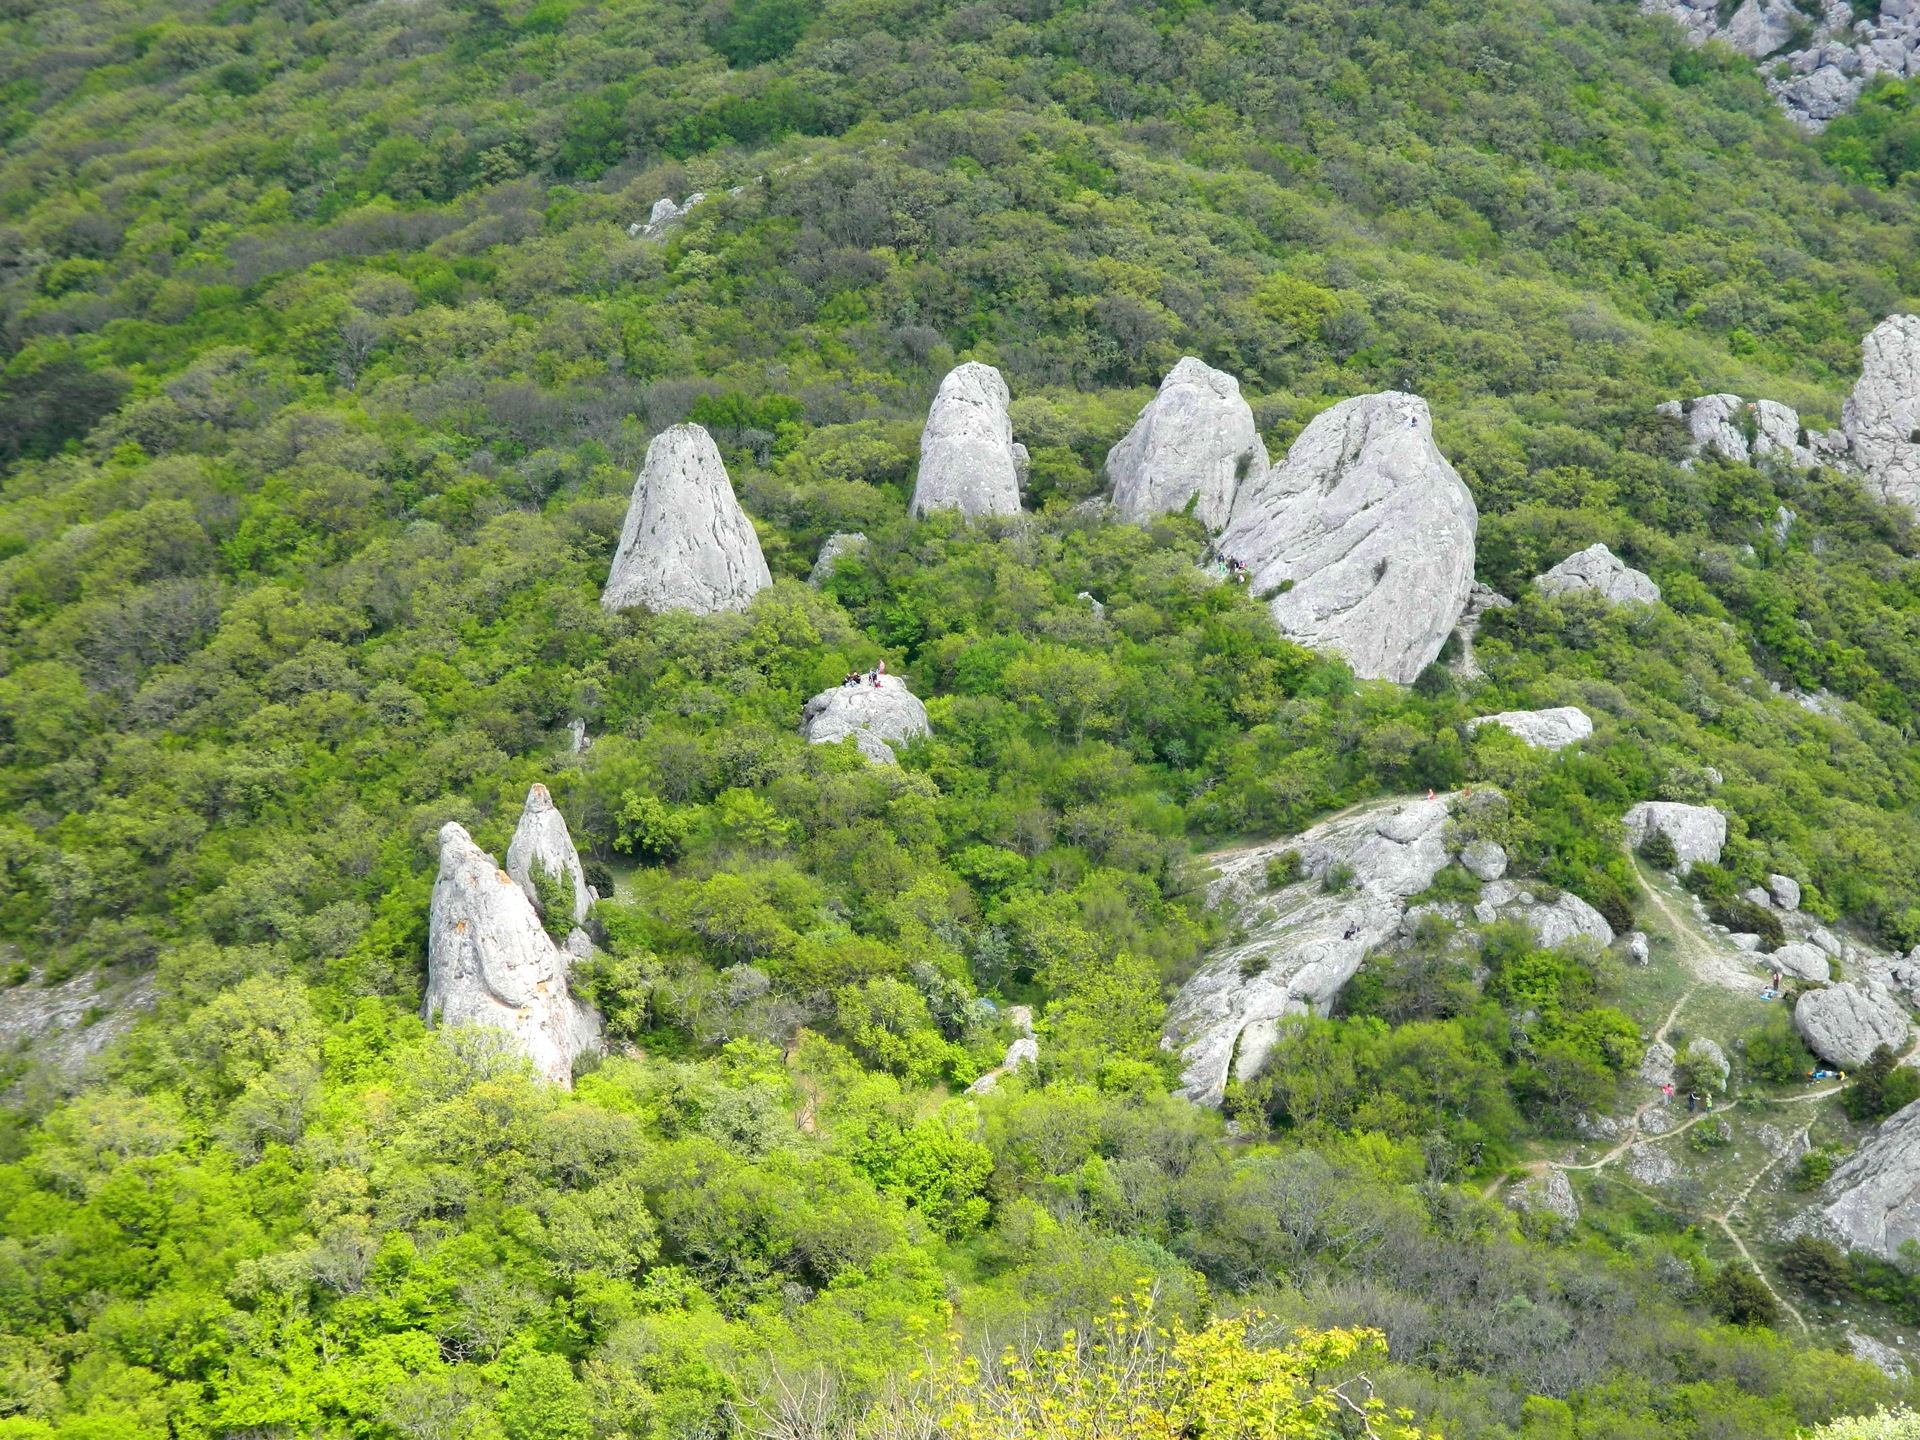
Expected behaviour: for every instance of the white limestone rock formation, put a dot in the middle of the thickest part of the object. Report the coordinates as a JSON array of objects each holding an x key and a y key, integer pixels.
[
  {"x": 872, "y": 714},
  {"x": 542, "y": 837},
  {"x": 1554, "y": 922},
  {"x": 1639, "y": 949},
  {"x": 967, "y": 459},
  {"x": 1195, "y": 438},
  {"x": 1843, "y": 1024},
  {"x": 845, "y": 542},
  {"x": 1598, "y": 569},
  {"x": 1714, "y": 421},
  {"x": 1709, "y": 1062},
  {"x": 1778, "y": 435},
  {"x": 1698, "y": 832},
  {"x": 1785, "y": 891},
  {"x": 1484, "y": 860},
  {"x": 1366, "y": 534},
  {"x": 1800, "y": 960},
  {"x": 1882, "y": 417},
  {"x": 1553, "y": 729},
  {"x": 1873, "y": 1199},
  {"x": 687, "y": 544},
  {"x": 664, "y": 216},
  {"x": 489, "y": 962},
  {"x": 1816, "y": 63},
  {"x": 1480, "y": 599},
  {"x": 1302, "y": 942},
  {"x": 1549, "y": 1194}
]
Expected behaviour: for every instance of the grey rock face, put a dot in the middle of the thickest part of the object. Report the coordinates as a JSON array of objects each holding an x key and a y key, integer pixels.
[
  {"x": 490, "y": 963},
  {"x": 1785, "y": 891},
  {"x": 1196, "y": 437},
  {"x": 1302, "y": 942},
  {"x": 1542, "y": 729},
  {"x": 1555, "y": 922},
  {"x": 1882, "y": 417},
  {"x": 1371, "y": 529},
  {"x": 1598, "y": 569},
  {"x": 687, "y": 544},
  {"x": 1550, "y": 1194},
  {"x": 1656, "y": 1066},
  {"x": 872, "y": 714},
  {"x": 1698, "y": 832},
  {"x": 967, "y": 460},
  {"x": 542, "y": 836},
  {"x": 1874, "y": 1196},
  {"x": 1651, "y": 1165},
  {"x": 1844, "y": 1024},
  {"x": 1800, "y": 960},
  {"x": 664, "y": 216},
  {"x": 1713, "y": 419},
  {"x": 845, "y": 542},
  {"x": 1822, "y": 76},
  {"x": 1883, "y": 1357},
  {"x": 1480, "y": 599},
  {"x": 1638, "y": 948},
  {"x": 1484, "y": 860}
]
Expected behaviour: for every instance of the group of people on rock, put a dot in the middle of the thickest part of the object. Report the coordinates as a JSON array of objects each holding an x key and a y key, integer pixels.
[
  {"x": 871, "y": 677},
  {"x": 1230, "y": 569}
]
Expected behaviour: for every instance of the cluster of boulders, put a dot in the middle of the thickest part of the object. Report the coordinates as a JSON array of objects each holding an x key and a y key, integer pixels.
[
  {"x": 490, "y": 959},
  {"x": 1822, "y": 55},
  {"x": 1879, "y": 434}
]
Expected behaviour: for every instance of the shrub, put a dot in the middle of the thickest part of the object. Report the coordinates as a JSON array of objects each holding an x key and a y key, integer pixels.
[
  {"x": 649, "y": 830},
  {"x": 1817, "y": 1267},
  {"x": 1657, "y": 850},
  {"x": 1775, "y": 1052},
  {"x": 1284, "y": 869},
  {"x": 1740, "y": 1297},
  {"x": 1338, "y": 879},
  {"x": 1881, "y": 1087},
  {"x": 1814, "y": 1169}
]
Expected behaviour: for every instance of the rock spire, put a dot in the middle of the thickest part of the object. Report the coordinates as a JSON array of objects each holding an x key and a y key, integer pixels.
[
  {"x": 968, "y": 461},
  {"x": 687, "y": 544},
  {"x": 1195, "y": 438}
]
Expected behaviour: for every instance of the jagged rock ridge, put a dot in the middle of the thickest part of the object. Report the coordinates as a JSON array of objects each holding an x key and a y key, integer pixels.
[
  {"x": 1363, "y": 536},
  {"x": 490, "y": 962},
  {"x": 686, "y": 544},
  {"x": 968, "y": 461},
  {"x": 1195, "y": 438}
]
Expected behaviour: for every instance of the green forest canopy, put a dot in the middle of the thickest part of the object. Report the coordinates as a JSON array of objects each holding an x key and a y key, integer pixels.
[{"x": 330, "y": 354}]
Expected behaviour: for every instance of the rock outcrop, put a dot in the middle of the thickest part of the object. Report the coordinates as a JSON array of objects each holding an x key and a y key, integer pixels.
[
  {"x": 542, "y": 838},
  {"x": 1542, "y": 729},
  {"x": 1882, "y": 417},
  {"x": 1549, "y": 1194},
  {"x": 1484, "y": 860},
  {"x": 687, "y": 544},
  {"x": 967, "y": 460},
  {"x": 490, "y": 962},
  {"x": 1598, "y": 569},
  {"x": 1195, "y": 438},
  {"x": 1800, "y": 960},
  {"x": 1818, "y": 60},
  {"x": 1480, "y": 599},
  {"x": 1843, "y": 1024},
  {"x": 845, "y": 542},
  {"x": 1698, "y": 832},
  {"x": 1785, "y": 891},
  {"x": 1554, "y": 922},
  {"x": 663, "y": 217},
  {"x": 872, "y": 714},
  {"x": 1363, "y": 537},
  {"x": 1874, "y": 1195},
  {"x": 1302, "y": 942}
]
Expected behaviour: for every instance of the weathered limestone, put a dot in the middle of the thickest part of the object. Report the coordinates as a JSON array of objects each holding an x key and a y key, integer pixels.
[
  {"x": 1709, "y": 1062},
  {"x": 1843, "y": 1023},
  {"x": 967, "y": 460},
  {"x": 1363, "y": 536},
  {"x": 1598, "y": 569},
  {"x": 1698, "y": 832},
  {"x": 845, "y": 542},
  {"x": 663, "y": 217},
  {"x": 1800, "y": 960},
  {"x": 872, "y": 714},
  {"x": 687, "y": 544},
  {"x": 542, "y": 837},
  {"x": 1480, "y": 599},
  {"x": 1785, "y": 891},
  {"x": 1303, "y": 942},
  {"x": 1484, "y": 860},
  {"x": 489, "y": 962},
  {"x": 1882, "y": 417},
  {"x": 1550, "y": 1194},
  {"x": 1195, "y": 438},
  {"x": 1542, "y": 729},
  {"x": 1874, "y": 1196},
  {"x": 1555, "y": 922},
  {"x": 1713, "y": 419}
]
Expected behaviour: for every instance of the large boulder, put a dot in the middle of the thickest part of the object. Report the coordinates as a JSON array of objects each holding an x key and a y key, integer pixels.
[
  {"x": 1714, "y": 421},
  {"x": 1598, "y": 569},
  {"x": 1542, "y": 729},
  {"x": 1801, "y": 960},
  {"x": 967, "y": 459},
  {"x": 871, "y": 713},
  {"x": 687, "y": 544},
  {"x": 1195, "y": 438},
  {"x": 1874, "y": 1196},
  {"x": 1698, "y": 832},
  {"x": 1843, "y": 1024},
  {"x": 1363, "y": 536},
  {"x": 844, "y": 542},
  {"x": 491, "y": 963},
  {"x": 1882, "y": 417},
  {"x": 1554, "y": 922},
  {"x": 1298, "y": 945},
  {"x": 542, "y": 838}
]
